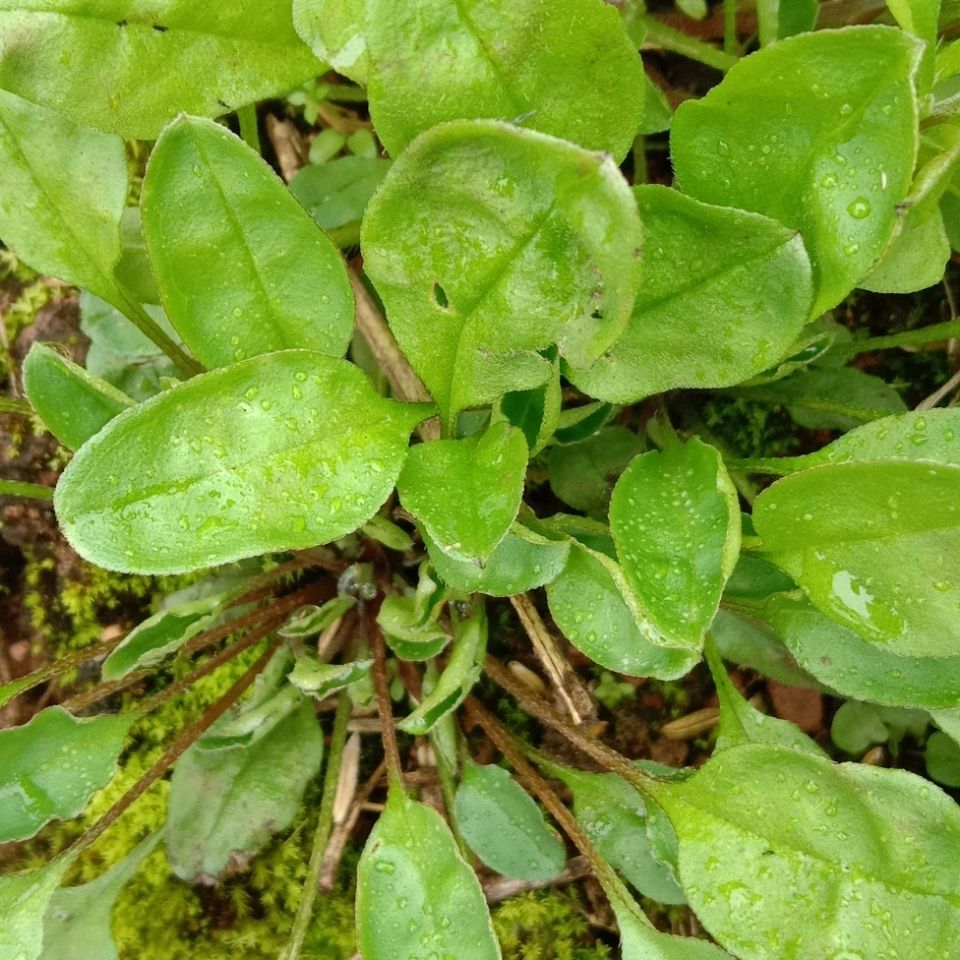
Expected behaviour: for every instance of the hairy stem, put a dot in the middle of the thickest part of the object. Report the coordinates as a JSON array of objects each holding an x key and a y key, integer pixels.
[
  {"x": 142, "y": 320},
  {"x": 15, "y": 405},
  {"x": 384, "y": 710},
  {"x": 660, "y": 35},
  {"x": 908, "y": 338}
]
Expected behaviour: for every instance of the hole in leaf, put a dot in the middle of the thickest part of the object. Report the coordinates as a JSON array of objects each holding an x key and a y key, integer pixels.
[{"x": 440, "y": 295}]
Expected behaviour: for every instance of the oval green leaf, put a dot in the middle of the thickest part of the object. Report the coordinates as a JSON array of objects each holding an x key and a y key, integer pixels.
[
  {"x": 504, "y": 827},
  {"x": 284, "y": 284},
  {"x": 874, "y": 547},
  {"x": 279, "y": 452},
  {"x": 337, "y": 192},
  {"x": 130, "y": 66},
  {"x": 488, "y": 244},
  {"x": 675, "y": 518},
  {"x": 566, "y": 68},
  {"x": 319, "y": 680},
  {"x": 726, "y": 293},
  {"x": 24, "y": 900},
  {"x": 818, "y": 132},
  {"x": 51, "y": 766}
]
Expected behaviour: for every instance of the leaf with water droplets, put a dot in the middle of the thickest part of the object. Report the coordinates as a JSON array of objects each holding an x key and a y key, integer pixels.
[
  {"x": 284, "y": 283},
  {"x": 24, "y": 900},
  {"x": 280, "y": 452},
  {"x": 504, "y": 827},
  {"x": 675, "y": 518},
  {"x": 226, "y": 803},
  {"x": 334, "y": 29},
  {"x": 640, "y": 940},
  {"x": 466, "y": 492},
  {"x": 725, "y": 295},
  {"x": 591, "y": 604},
  {"x": 818, "y": 132},
  {"x": 73, "y": 404},
  {"x": 785, "y": 856},
  {"x": 874, "y": 546},
  {"x": 130, "y": 66},
  {"x": 522, "y": 242},
  {"x": 416, "y": 895},
  {"x": 51, "y": 766},
  {"x": 566, "y": 68},
  {"x": 319, "y": 680},
  {"x": 77, "y": 923}
]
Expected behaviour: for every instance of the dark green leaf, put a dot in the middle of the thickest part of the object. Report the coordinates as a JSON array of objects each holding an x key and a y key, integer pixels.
[
  {"x": 415, "y": 892},
  {"x": 51, "y": 766},
  {"x": 129, "y": 66},
  {"x": 336, "y": 193},
  {"x": 284, "y": 284},
  {"x": 504, "y": 827},
  {"x": 282, "y": 451},
  {"x": 536, "y": 411},
  {"x": 725, "y": 294},
  {"x": 488, "y": 244},
  {"x": 818, "y": 132},
  {"x": 942, "y": 759}
]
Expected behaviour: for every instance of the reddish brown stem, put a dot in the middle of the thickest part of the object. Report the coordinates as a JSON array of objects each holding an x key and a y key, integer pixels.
[{"x": 384, "y": 710}]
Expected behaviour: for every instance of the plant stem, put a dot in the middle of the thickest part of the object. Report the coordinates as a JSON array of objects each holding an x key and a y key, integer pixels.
[
  {"x": 448, "y": 788},
  {"x": 249, "y": 130},
  {"x": 660, "y": 35},
  {"x": 384, "y": 711},
  {"x": 730, "y": 44},
  {"x": 142, "y": 320},
  {"x": 908, "y": 338},
  {"x": 173, "y": 753},
  {"x": 36, "y": 491},
  {"x": 321, "y": 835}
]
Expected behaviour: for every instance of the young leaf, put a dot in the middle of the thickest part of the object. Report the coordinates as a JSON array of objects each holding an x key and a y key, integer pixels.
[
  {"x": 459, "y": 675},
  {"x": 405, "y": 631},
  {"x": 466, "y": 492},
  {"x": 226, "y": 804},
  {"x": 567, "y": 69},
  {"x": 415, "y": 892},
  {"x": 524, "y": 241},
  {"x": 164, "y": 633},
  {"x": 819, "y": 132},
  {"x": 284, "y": 284},
  {"x": 589, "y": 602},
  {"x": 867, "y": 851},
  {"x": 310, "y": 620},
  {"x": 614, "y": 817},
  {"x": 129, "y": 66},
  {"x": 337, "y": 192},
  {"x": 504, "y": 827},
  {"x": 523, "y": 560},
  {"x": 676, "y": 521},
  {"x": 335, "y": 31},
  {"x": 73, "y": 404},
  {"x": 871, "y": 544},
  {"x": 63, "y": 188},
  {"x": 282, "y": 451},
  {"x": 51, "y": 766},
  {"x": 740, "y": 723},
  {"x": 24, "y": 899},
  {"x": 725, "y": 295},
  {"x": 77, "y": 923},
  {"x": 319, "y": 680}
]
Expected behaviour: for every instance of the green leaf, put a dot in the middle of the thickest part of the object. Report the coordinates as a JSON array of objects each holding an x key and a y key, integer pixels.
[
  {"x": 589, "y": 601},
  {"x": 462, "y": 671},
  {"x": 77, "y": 923},
  {"x": 466, "y": 492},
  {"x": 52, "y": 766},
  {"x": 504, "y": 827},
  {"x": 24, "y": 899},
  {"x": 523, "y": 560},
  {"x": 856, "y": 727},
  {"x": 920, "y": 17},
  {"x": 416, "y": 893},
  {"x": 129, "y": 66},
  {"x": 279, "y": 452},
  {"x": 579, "y": 423},
  {"x": 536, "y": 411},
  {"x": 741, "y": 723},
  {"x": 63, "y": 189},
  {"x": 284, "y": 284},
  {"x": 73, "y": 404},
  {"x": 152, "y": 641},
  {"x": 133, "y": 270},
  {"x": 640, "y": 940},
  {"x": 818, "y": 132},
  {"x": 337, "y": 192},
  {"x": 319, "y": 680},
  {"x": 725, "y": 294},
  {"x": 488, "y": 244},
  {"x": 334, "y": 29},
  {"x": 583, "y": 474},
  {"x": 408, "y": 634},
  {"x": 309, "y": 620},
  {"x": 226, "y": 804},
  {"x": 783, "y": 18},
  {"x": 675, "y": 518},
  {"x": 941, "y": 758},
  {"x": 868, "y": 852},
  {"x": 855, "y": 668},
  {"x": 917, "y": 257},
  {"x": 566, "y": 69},
  {"x": 614, "y": 817},
  {"x": 871, "y": 544}
]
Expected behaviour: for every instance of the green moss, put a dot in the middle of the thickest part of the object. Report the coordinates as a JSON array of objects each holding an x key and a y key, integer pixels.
[{"x": 546, "y": 925}]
